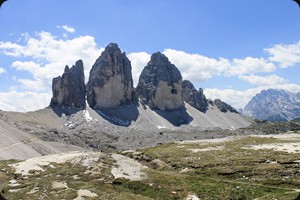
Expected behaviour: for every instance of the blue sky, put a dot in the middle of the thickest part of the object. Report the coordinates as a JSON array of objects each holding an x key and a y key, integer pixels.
[{"x": 231, "y": 48}]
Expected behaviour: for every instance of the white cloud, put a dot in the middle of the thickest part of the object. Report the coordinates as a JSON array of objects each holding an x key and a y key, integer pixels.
[
  {"x": 33, "y": 85},
  {"x": 196, "y": 67},
  {"x": 271, "y": 80},
  {"x": 285, "y": 55},
  {"x": 249, "y": 65},
  {"x": 46, "y": 57},
  {"x": 11, "y": 49},
  {"x": 236, "y": 98},
  {"x": 67, "y": 28},
  {"x": 138, "y": 62},
  {"x": 49, "y": 55},
  {"x": 2, "y": 70},
  {"x": 23, "y": 101}
]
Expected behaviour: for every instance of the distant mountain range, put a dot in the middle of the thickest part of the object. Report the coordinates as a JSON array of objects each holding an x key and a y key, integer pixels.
[{"x": 274, "y": 105}]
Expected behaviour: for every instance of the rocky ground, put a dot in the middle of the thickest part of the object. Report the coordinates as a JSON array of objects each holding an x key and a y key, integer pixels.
[
  {"x": 224, "y": 168},
  {"x": 213, "y": 156},
  {"x": 119, "y": 129}
]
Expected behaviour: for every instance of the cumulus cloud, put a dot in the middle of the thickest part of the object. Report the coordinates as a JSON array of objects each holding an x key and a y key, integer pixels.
[
  {"x": 33, "y": 85},
  {"x": 271, "y": 80},
  {"x": 67, "y": 28},
  {"x": 236, "y": 98},
  {"x": 196, "y": 67},
  {"x": 49, "y": 55},
  {"x": 138, "y": 62},
  {"x": 250, "y": 65},
  {"x": 24, "y": 101},
  {"x": 46, "y": 56},
  {"x": 285, "y": 55},
  {"x": 2, "y": 70}
]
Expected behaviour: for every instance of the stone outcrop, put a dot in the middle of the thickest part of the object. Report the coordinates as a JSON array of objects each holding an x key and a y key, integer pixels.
[
  {"x": 222, "y": 106},
  {"x": 69, "y": 89},
  {"x": 110, "y": 83},
  {"x": 160, "y": 84},
  {"x": 193, "y": 97}
]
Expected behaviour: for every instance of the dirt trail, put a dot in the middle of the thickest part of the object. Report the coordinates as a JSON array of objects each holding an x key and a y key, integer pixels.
[{"x": 19, "y": 143}]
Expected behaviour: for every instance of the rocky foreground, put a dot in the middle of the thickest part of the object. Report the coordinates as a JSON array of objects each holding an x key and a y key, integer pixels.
[{"x": 239, "y": 167}]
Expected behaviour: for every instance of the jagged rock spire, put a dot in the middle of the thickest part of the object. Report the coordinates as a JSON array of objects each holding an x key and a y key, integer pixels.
[
  {"x": 160, "y": 84},
  {"x": 69, "y": 89},
  {"x": 110, "y": 83}
]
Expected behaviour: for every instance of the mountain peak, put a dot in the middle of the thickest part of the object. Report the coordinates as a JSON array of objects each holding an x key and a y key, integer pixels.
[{"x": 274, "y": 105}]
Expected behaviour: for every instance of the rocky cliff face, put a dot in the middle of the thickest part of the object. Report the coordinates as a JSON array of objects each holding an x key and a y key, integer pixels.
[
  {"x": 193, "y": 97},
  {"x": 222, "y": 106},
  {"x": 160, "y": 84},
  {"x": 110, "y": 83},
  {"x": 69, "y": 89},
  {"x": 274, "y": 105}
]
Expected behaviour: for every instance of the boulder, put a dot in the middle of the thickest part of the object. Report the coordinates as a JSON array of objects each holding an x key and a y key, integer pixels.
[
  {"x": 193, "y": 97},
  {"x": 110, "y": 83},
  {"x": 160, "y": 84},
  {"x": 69, "y": 89}
]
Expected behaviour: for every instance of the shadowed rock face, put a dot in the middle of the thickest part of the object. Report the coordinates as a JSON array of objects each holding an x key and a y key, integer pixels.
[
  {"x": 110, "y": 83},
  {"x": 69, "y": 89},
  {"x": 224, "y": 107},
  {"x": 160, "y": 84},
  {"x": 193, "y": 97}
]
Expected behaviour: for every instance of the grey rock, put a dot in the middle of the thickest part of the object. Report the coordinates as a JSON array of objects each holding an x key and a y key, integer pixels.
[
  {"x": 274, "y": 105},
  {"x": 193, "y": 97},
  {"x": 69, "y": 89},
  {"x": 160, "y": 84},
  {"x": 110, "y": 83},
  {"x": 224, "y": 107}
]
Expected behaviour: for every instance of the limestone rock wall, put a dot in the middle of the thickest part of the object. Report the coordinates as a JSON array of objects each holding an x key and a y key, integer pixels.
[
  {"x": 193, "y": 97},
  {"x": 110, "y": 83},
  {"x": 69, "y": 89},
  {"x": 160, "y": 84}
]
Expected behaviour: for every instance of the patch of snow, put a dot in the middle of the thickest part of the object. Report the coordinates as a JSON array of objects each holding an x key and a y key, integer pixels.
[
  {"x": 14, "y": 190},
  {"x": 13, "y": 183},
  {"x": 84, "y": 193},
  {"x": 70, "y": 125},
  {"x": 192, "y": 197},
  {"x": 161, "y": 127},
  {"x": 87, "y": 116}
]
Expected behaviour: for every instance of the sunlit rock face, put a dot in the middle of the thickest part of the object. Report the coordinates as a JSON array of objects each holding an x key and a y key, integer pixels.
[
  {"x": 110, "y": 82},
  {"x": 160, "y": 84},
  {"x": 69, "y": 89}
]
